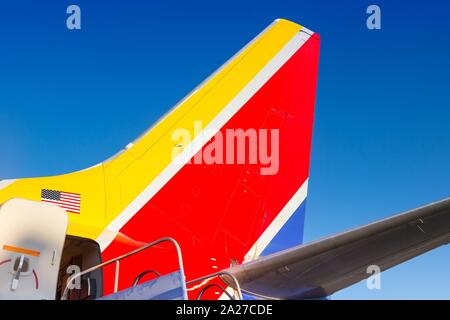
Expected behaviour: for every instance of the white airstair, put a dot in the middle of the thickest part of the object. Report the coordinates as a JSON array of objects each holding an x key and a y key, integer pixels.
[{"x": 171, "y": 286}]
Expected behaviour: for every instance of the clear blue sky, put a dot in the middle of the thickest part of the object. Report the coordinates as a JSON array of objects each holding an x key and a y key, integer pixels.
[{"x": 70, "y": 99}]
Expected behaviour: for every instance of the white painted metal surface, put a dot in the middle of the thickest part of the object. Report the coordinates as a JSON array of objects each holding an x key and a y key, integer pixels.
[{"x": 32, "y": 237}]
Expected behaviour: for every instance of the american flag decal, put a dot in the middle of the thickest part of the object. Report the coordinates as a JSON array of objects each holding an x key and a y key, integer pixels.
[{"x": 66, "y": 200}]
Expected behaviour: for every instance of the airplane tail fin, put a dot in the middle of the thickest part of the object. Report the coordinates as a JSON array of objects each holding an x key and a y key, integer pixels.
[
  {"x": 231, "y": 160},
  {"x": 222, "y": 173}
]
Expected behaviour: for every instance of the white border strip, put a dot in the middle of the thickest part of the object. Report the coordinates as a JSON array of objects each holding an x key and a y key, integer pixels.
[
  {"x": 108, "y": 235},
  {"x": 273, "y": 229},
  {"x": 5, "y": 183},
  {"x": 276, "y": 225}
]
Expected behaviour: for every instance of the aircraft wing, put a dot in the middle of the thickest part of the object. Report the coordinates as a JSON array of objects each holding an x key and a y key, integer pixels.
[{"x": 320, "y": 268}]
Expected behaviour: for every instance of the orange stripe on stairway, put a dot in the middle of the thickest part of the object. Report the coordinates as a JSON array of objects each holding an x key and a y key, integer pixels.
[{"x": 22, "y": 250}]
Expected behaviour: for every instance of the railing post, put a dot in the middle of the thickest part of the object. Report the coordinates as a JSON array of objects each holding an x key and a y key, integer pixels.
[{"x": 116, "y": 276}]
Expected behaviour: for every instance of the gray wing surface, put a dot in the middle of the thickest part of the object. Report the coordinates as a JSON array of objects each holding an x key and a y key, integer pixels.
[{"x": 320, "y": 268}]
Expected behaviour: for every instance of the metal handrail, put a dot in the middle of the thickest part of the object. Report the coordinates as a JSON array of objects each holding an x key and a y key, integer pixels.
[
  {"x": 237, "y": 289},
  {"x": 117, "y": 262},
  {"x": 212, "y": 285},
  {"x": 142, "y": 274}
]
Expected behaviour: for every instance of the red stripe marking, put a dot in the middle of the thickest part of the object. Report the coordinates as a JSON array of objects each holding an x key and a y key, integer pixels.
[
  {"x": 5, "y": 261},
  {"x": 36, "y": 279},
  {"x": 70, "y": 201},
  {"x": 60, "y": 203},
  {"x": 70, "y": 198},
  {"x": 70, "y": 193}
]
